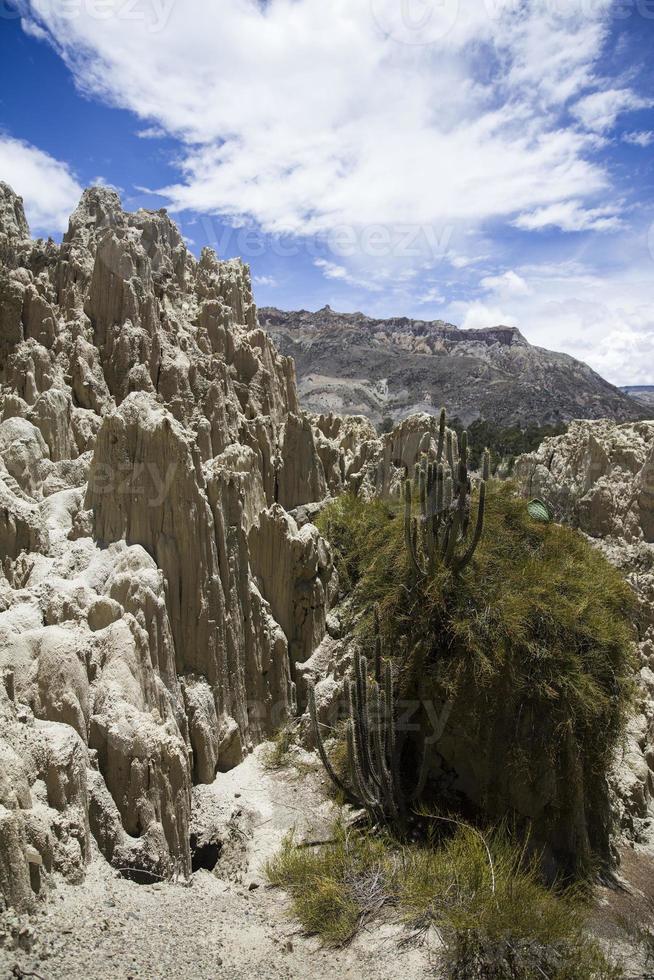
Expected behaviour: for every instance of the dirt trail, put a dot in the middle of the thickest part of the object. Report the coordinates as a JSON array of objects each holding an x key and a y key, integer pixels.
[{"x": 226, "y": 923}]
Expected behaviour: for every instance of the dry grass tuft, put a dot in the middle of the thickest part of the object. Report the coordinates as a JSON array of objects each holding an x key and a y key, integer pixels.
[{"x": 480, "y": 891}]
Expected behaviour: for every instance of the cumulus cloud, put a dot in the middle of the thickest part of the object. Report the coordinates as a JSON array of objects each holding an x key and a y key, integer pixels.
[
  {"x": 477, "y": 315},
  {"x": 151, "y": 133},
  {"x": 315, "y": 118},
  {"x": 331, "y": 270},
  {"x": 507, "y": 284},
  {"x": 49, "y": 189},
  {"x": 606, "y": 321},
  {"x": 432, "y": 295},
  {"x": 303, "y": 115}
]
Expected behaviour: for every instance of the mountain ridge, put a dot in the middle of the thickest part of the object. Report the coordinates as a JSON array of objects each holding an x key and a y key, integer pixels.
[{"x": 355, "y": 364}]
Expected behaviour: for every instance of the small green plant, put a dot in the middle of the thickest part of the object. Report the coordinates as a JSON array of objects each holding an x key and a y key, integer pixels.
[
  {"x": 479, "y": 891},
  {"x": 275, "y": 755},
  {"x": 539, "y": 511},
  {"x": 334, "y": 888}
]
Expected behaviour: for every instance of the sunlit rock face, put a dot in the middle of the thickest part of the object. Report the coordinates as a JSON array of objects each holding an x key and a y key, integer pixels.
[{"x": 154, "y": 592}]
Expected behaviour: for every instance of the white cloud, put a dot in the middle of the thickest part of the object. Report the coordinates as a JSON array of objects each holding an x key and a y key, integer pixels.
[
  {"x": 285, "y": 107},
  {"x": 604, "y": 320},
  {"x": 101, "y": 181},
  {"x": 309, "y": 117},
  {"x": 49, "y": 190},
  {"x": 151, "y": 133},
  {"x": 432, "y": 295},
  {"x": 600, "y": 110},
  {"x": 269, "y": 281},
  {"x": 460, "y": 261},
  {"x": 331, "y": 270},
  {"x": 642, "y": 138},
  {"x": 477, "y": 315},
  {"x": 569, "y": 216},
  {"x": 507, "y": 284}
]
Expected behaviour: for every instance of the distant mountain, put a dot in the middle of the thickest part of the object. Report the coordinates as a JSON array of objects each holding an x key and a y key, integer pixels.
[
  {"x": 642, "y": 393},
  {"x": 351, "y": 363}
]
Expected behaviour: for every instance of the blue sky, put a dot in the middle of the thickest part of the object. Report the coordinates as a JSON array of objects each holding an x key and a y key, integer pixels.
[{"x": 482, "y": 161}]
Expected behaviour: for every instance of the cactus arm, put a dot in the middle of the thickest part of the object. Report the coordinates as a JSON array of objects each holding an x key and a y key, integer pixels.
[
  {"x": 324, "y": 758},
  {"x": 391, "y": 741},
  {"x": 422, "y": 492},
  {"x": 466, "y": 558},
  {"x": 409, "y": 530},
  {"x": 378, "y": 644},
  {"x": 380, "y": 755},
  {"x": 361, "y": 718},
  {"x": 361, "y": 772},
  {"x": 441, "y": 436},
  {"x": 485, "y": 470},
  {"x": 449, "y": 448},
  {"x": 354, "y": 764},
  {"x": 453, "y": 534}
]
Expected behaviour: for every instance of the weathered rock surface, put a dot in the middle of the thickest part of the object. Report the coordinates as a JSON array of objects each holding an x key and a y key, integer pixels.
[
  {"x": 354, "y": 364},
  {"x": 155, "y": 594},
  {"x": 599, "y": 477}
]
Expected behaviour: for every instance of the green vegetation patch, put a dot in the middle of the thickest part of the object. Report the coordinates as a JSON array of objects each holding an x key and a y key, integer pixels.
[
  {"x": 506, "y": 443},
  {"x": 532, "y": 645},
  {"x": 276, "y": 754},
  {"x": 481, "y": 893}
]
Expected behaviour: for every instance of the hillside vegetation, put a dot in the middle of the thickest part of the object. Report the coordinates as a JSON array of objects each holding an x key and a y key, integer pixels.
[{"x": 532, "y": 647}]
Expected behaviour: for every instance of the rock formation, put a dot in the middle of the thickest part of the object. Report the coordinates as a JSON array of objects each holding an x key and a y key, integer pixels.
[
  {"x": 163, "y": 591},
  {"x": 351, "y": 363},
  {"x": 155, "y": 593}
]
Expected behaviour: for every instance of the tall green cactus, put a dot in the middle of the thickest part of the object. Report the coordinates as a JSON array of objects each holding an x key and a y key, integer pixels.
[
  {"x": 373, "y": 748},
  {"x": 444, "y": 492}
]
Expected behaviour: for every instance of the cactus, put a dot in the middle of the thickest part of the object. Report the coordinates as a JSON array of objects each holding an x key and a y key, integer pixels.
[
  {"x": 539, "y": 511},
  {"x": 444, "y": 491},
  {"x": 373, "y": 748}
]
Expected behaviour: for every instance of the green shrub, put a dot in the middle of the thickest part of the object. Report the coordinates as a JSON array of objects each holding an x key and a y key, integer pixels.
[
  {"x": 506, "y": 443},
  {"x": 334, "y": 887},
  {"x": 486, "y": 900},
  {"x": 531, "y": 644},
  {"x": 275, "y": 755}
]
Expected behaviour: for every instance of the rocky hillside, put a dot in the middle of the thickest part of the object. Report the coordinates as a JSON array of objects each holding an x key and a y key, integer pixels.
[
  {"x": 350, "y": 363},
  {"x": 642, "y": 393}
]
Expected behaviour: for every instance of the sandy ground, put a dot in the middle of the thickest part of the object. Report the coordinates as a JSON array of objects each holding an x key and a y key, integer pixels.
[
  {"x": 225, "y": 923},
  {"x": 229, "y": 923}
]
